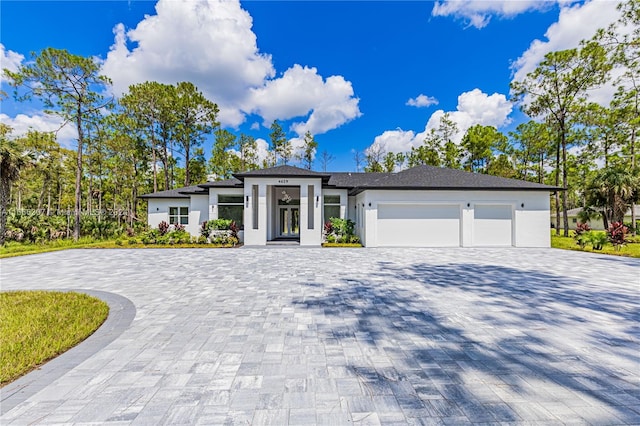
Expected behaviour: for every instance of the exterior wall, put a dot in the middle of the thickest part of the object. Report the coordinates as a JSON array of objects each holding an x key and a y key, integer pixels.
[
  {"x": 198, "y": 213},
  {"x": 158, "y": 209},
  {"x": 530, "y": 212},
  {"x": 265, "y": 223}
]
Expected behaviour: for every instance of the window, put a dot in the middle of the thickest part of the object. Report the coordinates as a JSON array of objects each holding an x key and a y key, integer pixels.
[
  {"x": 331, "y": 207},
  {"x": 310, "y": 209},
  {"x": 254, "y": 205},
  {"x": 231, "y": 207},
  {"x": 178, "y": 215}
]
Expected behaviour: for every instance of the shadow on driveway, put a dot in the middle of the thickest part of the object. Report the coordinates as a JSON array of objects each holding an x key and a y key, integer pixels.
[{"x": 490, "y": 343}]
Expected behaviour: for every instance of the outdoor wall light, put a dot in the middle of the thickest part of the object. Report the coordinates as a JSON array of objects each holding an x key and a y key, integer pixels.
[
  {"x": 369, "y": 204},
  {"x": 157, "y": 209},
  {"x": 522, "y": 205},
  {"x": 247, "y": 201},
  {"x": 317, "y": 200},
  {"x": 468, "y": 204},
  {"x": 362, "y": 204}
]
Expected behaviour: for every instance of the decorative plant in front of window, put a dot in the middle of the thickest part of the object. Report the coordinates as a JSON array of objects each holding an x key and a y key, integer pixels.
[
  {"x": 163, "y": 227},
  {"x": 340, "y": 231},
  {"x": 220, "y": 231},
  {"x": 166, "y": 234}
]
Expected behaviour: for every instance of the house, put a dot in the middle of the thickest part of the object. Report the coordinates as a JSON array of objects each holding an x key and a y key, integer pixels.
[
  {"x": 595, "y": 223},
  {"x": 423, "y": 206}
]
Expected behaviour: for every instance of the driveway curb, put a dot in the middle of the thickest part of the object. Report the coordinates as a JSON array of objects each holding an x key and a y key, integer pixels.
[{"x": 121, "y": 313}]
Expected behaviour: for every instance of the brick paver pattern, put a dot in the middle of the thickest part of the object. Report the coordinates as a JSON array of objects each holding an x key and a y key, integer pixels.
[{"x": 348, "y": 336}]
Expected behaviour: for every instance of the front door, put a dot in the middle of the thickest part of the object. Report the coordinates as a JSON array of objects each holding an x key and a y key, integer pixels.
[{"x": 289, "y": 221}]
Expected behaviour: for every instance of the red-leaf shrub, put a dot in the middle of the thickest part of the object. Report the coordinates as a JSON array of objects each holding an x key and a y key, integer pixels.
[{"x": 617, "y": 234}]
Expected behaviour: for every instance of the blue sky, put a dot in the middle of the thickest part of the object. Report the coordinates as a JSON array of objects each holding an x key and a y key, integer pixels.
[{"x": 352, "y": 73}]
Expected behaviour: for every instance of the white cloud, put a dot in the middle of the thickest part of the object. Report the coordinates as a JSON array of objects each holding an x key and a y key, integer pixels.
[
  {"x": 211, "y": 43},
  {"x": 301, "y": 91},
  {"x": 474, "y": 107},
  {"x": 262, "y": 149},
  {"x": 422, "y": 101},
  {"x": 22, "y": 123},
  {"x": 575, "y": 23},
  {"x": 9, "y": 60},
  {"x": 478, "y": 13}
]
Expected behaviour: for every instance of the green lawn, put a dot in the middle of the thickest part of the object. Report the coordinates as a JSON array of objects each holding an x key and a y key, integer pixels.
[
  {"x": 19, "y": 249},
  {"x": 36, "y": 326},
  {"x": 569, "y": 243}
]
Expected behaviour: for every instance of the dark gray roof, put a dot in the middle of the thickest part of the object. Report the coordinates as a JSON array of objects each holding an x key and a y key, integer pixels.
[
  {"x": 282, "y": 171},
  {"x": 416, "y": 178},
  {"x": 430, "y": 177},
  {"x": 227, "y": 183},
  {"x": 177, "y": 193},
  {"x": 353, "y": 180}
]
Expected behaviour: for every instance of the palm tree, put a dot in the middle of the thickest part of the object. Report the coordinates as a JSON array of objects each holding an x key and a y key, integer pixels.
[
  {"x": 612, "y": 189},
  {"x": 12, "y": 160}
]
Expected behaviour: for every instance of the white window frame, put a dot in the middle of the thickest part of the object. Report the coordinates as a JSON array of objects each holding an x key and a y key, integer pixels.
[{"x": 182, "y": 212}]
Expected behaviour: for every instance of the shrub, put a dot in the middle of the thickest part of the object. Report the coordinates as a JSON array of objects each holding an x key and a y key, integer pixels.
[
  {"x": 220, "y": 224},
  {"x": 617, "y": 234},
  {"x": 597, "y": 239},
  {"x": 118, "y": 242},
  {"x": 163, "y": 227},
  {"x": 204, "y": 230},
  {"x": 583, "y": 234},
  {"x": 340, "y": 231},
  {"x": 132, "y": 241}
]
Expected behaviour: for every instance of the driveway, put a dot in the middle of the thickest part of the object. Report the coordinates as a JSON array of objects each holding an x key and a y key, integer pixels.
[{"x": 340, "y": 336}]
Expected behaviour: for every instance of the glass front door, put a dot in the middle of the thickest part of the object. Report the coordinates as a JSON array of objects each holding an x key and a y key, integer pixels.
[{"x": 289, "y": 221}]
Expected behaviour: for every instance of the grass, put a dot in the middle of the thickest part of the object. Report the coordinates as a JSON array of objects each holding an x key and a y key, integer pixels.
[
  {"x": 13, "y": 249},
  {"x": 341, "y": 245},
  {"x": 36, "y": 326},
  {"x": 631, "y": 249}
]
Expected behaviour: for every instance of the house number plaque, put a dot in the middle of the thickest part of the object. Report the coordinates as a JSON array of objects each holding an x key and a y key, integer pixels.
[{"x": 283, "y": 181}]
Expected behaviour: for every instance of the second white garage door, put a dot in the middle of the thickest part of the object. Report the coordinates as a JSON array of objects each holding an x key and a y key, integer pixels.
[
  {"x": 492, "y": 225},
  {"x": 418, "y": 225}
]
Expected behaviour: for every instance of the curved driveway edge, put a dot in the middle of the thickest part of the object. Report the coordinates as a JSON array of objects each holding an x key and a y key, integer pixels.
[{"x": 121, "y": 314}]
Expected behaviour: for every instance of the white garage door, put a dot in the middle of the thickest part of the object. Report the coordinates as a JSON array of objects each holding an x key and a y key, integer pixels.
[
  {"x": 418, "y": 225},
  {"x": 492, "y": 225}
]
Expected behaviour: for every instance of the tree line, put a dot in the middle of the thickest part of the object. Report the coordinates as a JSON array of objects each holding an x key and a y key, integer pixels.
[{"x": 151, "y": 138}]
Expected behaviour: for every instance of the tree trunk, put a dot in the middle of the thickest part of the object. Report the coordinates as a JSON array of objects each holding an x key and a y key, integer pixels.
[
  {"x": 633, "y": 192},
  {"x": 187, "y": 178},
  {"x": 155, "y": 169},
  {"x": 557, "y": 194},
  {"x": 78, "y": 203},
  {"x": 564, "y": 182},
  {"x": 5, "y": 187}
]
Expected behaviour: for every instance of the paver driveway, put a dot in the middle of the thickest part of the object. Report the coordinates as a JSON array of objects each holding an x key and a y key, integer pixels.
[{"x": 348, "y": 336}]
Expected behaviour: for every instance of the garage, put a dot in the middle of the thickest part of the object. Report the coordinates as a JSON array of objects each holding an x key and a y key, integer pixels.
[
  {"x": 419, "y": 225},
  {"x": 492, "y": 225}
]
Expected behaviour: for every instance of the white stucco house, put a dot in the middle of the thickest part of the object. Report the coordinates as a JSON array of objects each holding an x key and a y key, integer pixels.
[{"x": 423, "y": 206}]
